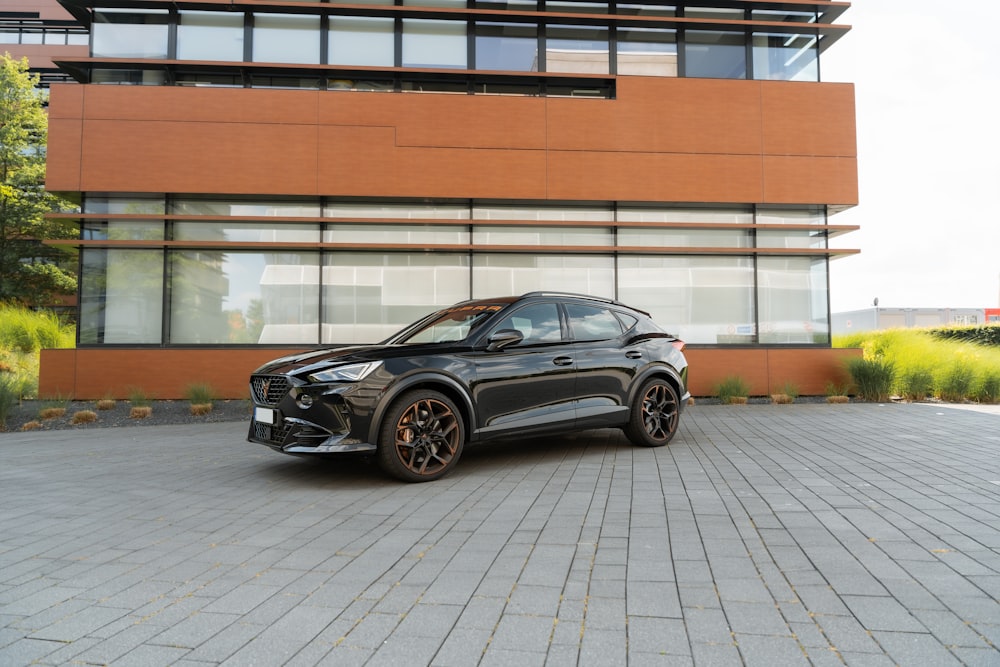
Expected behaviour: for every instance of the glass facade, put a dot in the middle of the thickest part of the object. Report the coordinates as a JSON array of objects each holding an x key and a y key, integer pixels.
[
  {"x": 227, "y": 270},
  {"x": 310, "y": 271},
  {"x": 502, "y": 38}
]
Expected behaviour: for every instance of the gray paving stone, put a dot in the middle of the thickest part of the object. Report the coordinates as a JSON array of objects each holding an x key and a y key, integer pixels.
[{"x": 805, "y": 527}]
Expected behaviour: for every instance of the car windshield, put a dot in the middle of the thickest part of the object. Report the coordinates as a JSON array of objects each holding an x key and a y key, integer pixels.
[{"x": 447, "y": 326}]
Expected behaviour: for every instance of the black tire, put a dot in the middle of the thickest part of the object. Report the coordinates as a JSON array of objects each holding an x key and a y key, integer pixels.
[
  {"x": 654, "y": 415},
  {"x": 422, "y": 436}
]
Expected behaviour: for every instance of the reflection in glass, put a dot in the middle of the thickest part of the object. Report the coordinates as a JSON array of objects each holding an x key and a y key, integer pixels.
[
  {"x": 244, "y": 297},
  {"x": 286, "y": 38},
  {"x": 647, "y": 52},
  {"x": 210, "y": 36},
  {"x": 129, "y": 205},
  {"x": 792, "y": 297},
  {"x": 714, "y": 54},
  {"x": 369, "y": 296},
  {"x": 494, "y": 274},
  {"x": 121, "y": 296},
  {"x": 652, "y": 237},
  {"x": 507, "y": 46},
  {"x": 414, "y": 211},
  {"x": 577, "y": 48},
  {"x": 397, "y": 234},
  {"x": 709, "y": 299},
  {"x": 785, "y": 57},
  {"x": 797, "y": 216},
  {"x": 629, "y": 213},
  {"x": 541, "y": 236},
  {"x": 767, "y": 238},
  {"x": 245, "y": 208},
  {"x": 246, "y": 232}
]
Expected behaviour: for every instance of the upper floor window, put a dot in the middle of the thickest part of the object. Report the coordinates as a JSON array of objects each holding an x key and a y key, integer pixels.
[
  {"x": 210, "y": 36},
  {"x": 286, "y": 38},
  {"x": 130, "y": 33}
]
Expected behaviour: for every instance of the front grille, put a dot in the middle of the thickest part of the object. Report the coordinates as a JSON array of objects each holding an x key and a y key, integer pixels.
[
  {"x": 269, "y": 389},
  {"x": 275, "y": 433}
]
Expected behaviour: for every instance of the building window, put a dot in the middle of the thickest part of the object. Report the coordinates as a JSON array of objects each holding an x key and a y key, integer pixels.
[
  {"x": 130, "y": 33},
  {"x": 673, "y": 237},
  {"x": 438, "y": 44},
  {"x": 210, "y": 36},
  {"x": 511, "y": 47},
  {"x": 494, "y": 235},
  {"x": 577, "y": 48},
  {"x": 397, "y": 234},
  {"x": 494, "y": 274},
  {"x": 647, "y": 52},
  {"x": 357, "y": 40},
  {"x": 246, "y": 232},
  {"x": 785, "y": 57},
  {"x": 369, "y": 296},
  {"x": 121, "y": 296},
  {"x": 715, "y": 54},
  {"x": 286, "y": 38},
  {"x": 792, "y": 298},
  {"x": 704, "y": 300},
  {"x": 244, "y": 297}
]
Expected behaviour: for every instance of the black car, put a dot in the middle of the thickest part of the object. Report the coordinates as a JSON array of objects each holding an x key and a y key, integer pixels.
[{"x": 540, "y": 363}]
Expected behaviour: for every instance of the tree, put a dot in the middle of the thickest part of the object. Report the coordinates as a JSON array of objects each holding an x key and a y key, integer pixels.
[{"x": 30, "y": 272}]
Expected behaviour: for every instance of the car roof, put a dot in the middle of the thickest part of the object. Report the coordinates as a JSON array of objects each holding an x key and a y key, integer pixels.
[{"x": 552, "y": 294}]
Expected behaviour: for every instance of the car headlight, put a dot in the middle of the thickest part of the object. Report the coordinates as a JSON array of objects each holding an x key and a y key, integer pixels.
[{"x": 351, "y": 373}]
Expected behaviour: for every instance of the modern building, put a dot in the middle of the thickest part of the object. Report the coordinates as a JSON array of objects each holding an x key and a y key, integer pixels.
[
  {"x": 41, "y": 31},
  {"x": 260, "y": 176}
]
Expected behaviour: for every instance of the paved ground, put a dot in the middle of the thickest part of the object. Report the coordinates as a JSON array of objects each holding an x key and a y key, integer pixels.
[{"x": 764, "y": 535}]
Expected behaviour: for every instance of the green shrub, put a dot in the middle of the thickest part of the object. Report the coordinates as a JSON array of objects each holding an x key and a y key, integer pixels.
[
  {"x": 10, "y": 396},
  {"x": 731, "y": 388},
  {"x": 873, "y": 377},
  {"x": 138, "y": 397},
  {"x": 834, "y": 389},
  {"x": 790, "y": 389},
  {"x": 956, "y": 382},
  {"x": 916, "y": 384},
  {"x": 989, "y": 388},
  {"x": 199, "y": 393},
  {"x": 27, "y": 330}
]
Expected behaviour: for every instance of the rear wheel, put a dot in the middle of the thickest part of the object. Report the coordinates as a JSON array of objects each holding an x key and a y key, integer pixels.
[
  {"x": 422, "y": 437},
  {"x": 654, "y": 415}
]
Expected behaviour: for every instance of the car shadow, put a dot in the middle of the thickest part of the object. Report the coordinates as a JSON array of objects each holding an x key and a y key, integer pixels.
[{"x": 482, "y": 458}]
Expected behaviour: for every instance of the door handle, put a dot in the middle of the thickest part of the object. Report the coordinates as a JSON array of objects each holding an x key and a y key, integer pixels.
[
  {"x": 563, "y": 361},
  {"x": 634, "y": 354}
]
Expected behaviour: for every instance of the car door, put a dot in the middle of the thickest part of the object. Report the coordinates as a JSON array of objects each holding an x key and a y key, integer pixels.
[
  {"x": 607, "y": 360},
  {"x": 527, "y": 385}
]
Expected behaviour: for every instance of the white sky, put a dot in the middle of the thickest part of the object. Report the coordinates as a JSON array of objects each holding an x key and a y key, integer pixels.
[{"x": 927, "y": 88}]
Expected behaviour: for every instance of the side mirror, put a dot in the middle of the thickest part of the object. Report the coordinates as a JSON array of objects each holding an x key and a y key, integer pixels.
[{"x": 504, "y": 337}]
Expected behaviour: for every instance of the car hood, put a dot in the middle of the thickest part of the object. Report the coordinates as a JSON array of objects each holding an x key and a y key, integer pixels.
[{"x": 309, "y": 362}]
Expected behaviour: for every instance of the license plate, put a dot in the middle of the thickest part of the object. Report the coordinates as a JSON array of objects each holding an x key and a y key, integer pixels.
[{"x": 264, "y": 415}]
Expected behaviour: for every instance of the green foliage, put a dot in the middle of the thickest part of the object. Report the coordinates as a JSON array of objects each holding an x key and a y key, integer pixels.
[
  {"x": 11, "y": 390},
  {"x": 138, "y": 397},
  {"x": 732, "y": 387},
  {"x": 961, "y": 369},
  {"x": 916, "y": 384},
  {"x": 790, "y": 389},
  {"x": 27, "y": 330},
  {"x": 834, "y": 389},
  {"x": 980, "y": 335},
  {"x": 199, "y": 393},
  {"x": 956, "y": 382},
  {"x": 30, "y": 271},
  {"x": 873, "y": 377},
  {"x": 989, "y": 387}
]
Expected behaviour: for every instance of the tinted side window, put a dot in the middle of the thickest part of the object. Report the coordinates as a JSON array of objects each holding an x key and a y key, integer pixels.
[
  {"x": 592, "y": 323},
  {"x": 538, "y": 323},
  {"x": 627, "y": 320}
]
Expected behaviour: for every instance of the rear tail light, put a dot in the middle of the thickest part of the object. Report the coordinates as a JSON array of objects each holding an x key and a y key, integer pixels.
[{"x": 678, "y": 345}]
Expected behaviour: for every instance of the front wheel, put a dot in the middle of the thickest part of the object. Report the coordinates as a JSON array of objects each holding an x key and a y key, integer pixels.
[
  {"x": 422, "y": 437},
  {"x": 654, "y": 415}
]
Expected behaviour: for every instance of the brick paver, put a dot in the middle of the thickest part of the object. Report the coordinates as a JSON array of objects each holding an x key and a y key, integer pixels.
[{"x": 763, "y": 535}]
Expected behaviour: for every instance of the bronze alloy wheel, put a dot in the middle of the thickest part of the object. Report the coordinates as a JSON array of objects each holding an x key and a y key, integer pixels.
[
  {"x": 655, "y": 415},
  {"x": 424, "y": 434}
]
